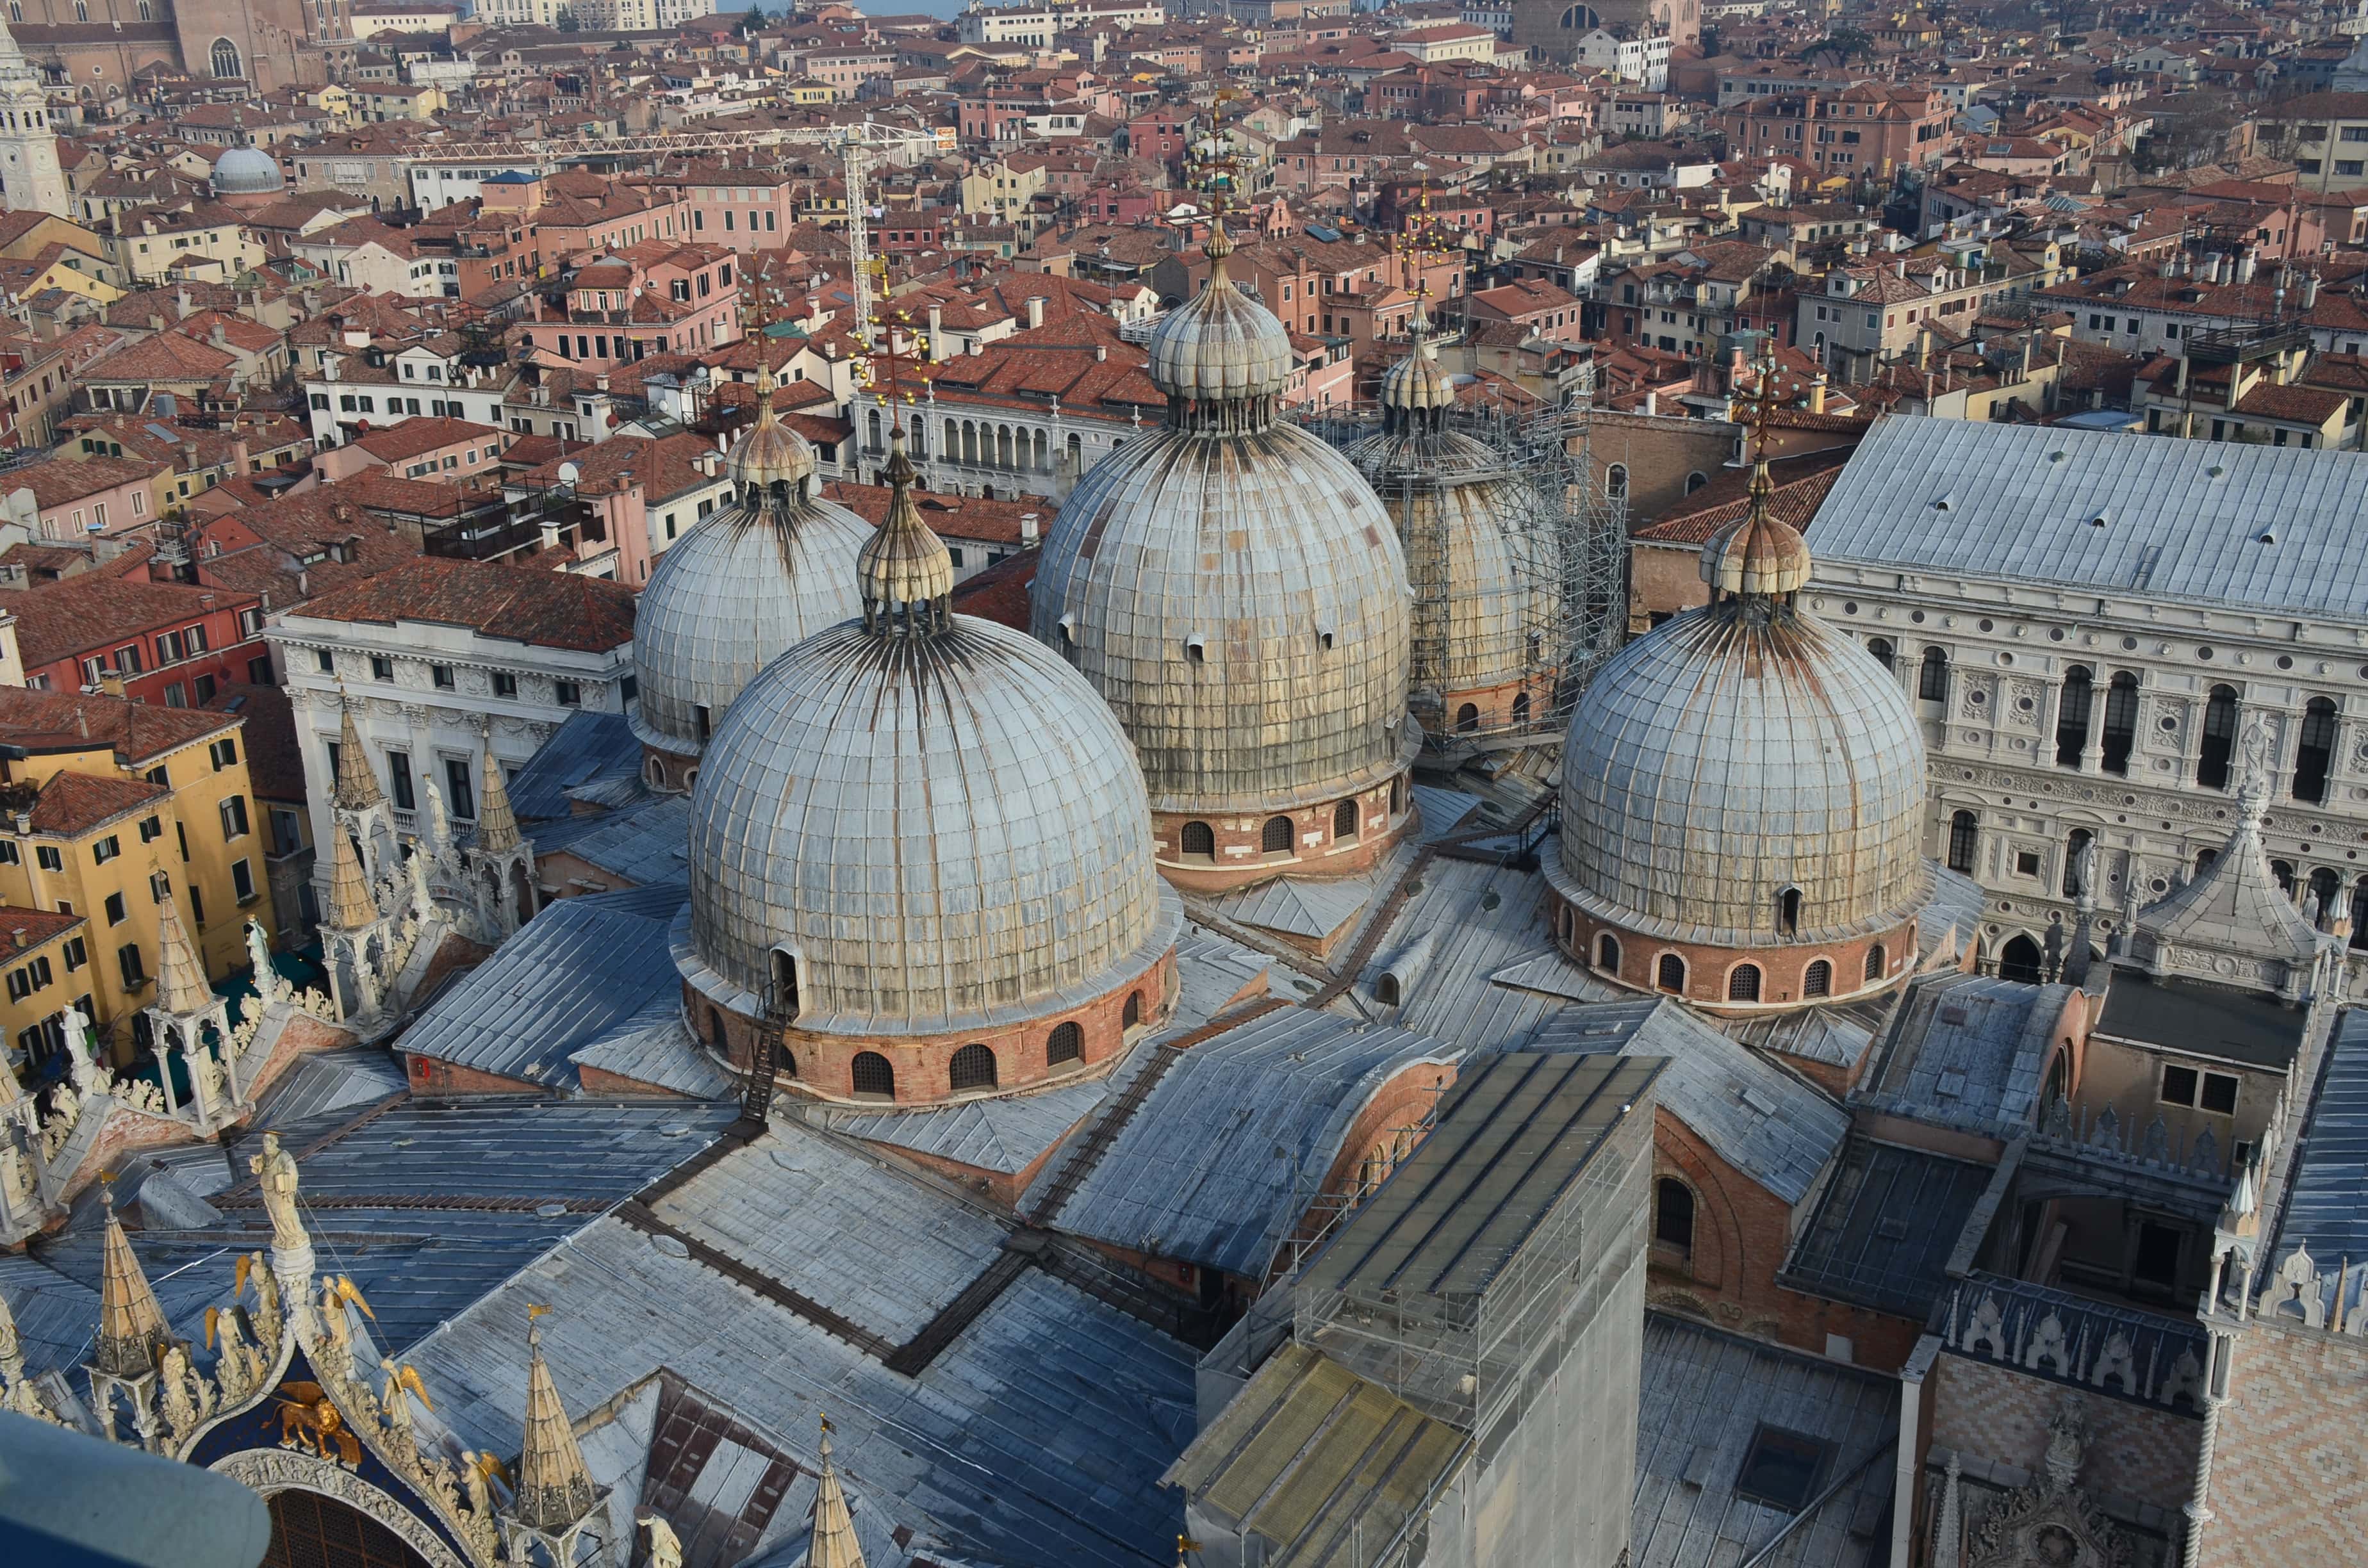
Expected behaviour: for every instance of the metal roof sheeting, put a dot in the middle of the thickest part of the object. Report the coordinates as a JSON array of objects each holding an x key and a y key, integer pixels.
[
  {"x": 1223, "y": 1158},
  {"x": 587, "y": 746},
  {"x": 570, "y": 975},
  {"x": 2183, "y": 519},
  {"x": 1885, "y": 1226}
]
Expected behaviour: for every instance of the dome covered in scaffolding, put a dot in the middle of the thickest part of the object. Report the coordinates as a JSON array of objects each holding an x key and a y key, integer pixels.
[
  {"x": 1484, "y": 553},
  {"x": 775, "y": 566},
  {"x": 1233, "y": 588}
]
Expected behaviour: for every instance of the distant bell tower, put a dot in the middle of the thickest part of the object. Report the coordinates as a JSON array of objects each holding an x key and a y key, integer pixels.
[{"x": 31, "y": 177}]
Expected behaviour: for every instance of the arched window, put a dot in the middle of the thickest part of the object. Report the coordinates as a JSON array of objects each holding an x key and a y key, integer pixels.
[
  {"x": 2121, "y": 722},
  {"x": 2204, "y": 859},
  {"x": 2219, "y": 740},
  {"x": 784, "y": 999},
  {"x": 715, "y": 1035},
  {"x": 82, "y": 10},
  {"x": 1068, "y": 1043},
  {"x": 1580, "y": 19},
  {"x": 1520, "y": 708},
  {"x": 972, "y": 1068},
  {"x": 2359, "y": 916},
  {"x": 2315, "y": 750},
  {"x": 2072, "y": 716},
  {"x": 2283, "y": 871},
  {"x": 225, "y": 58},
  {"x": 1743, "y": 984},
  {"x": 1788, "y": 912},
  {"x": 1133, "y": 1014},
  {"x": 1964, "y": 839},
  {"x": 1881, "y": 649},
  {"x": 2325, "y": 887},
  {"x": 1199, "y": 839},
  {"x": 1275, "y": 838},
  {"x": 1932, "y": 679},
  {"x": 872, "y": 1077},
  {"x": 2019, "y": 960},
  {"x": 1607, "y": 952},
  {"x": 872, "y": 419},
  {"x": 1670, "y": 974},
  {"x": 1673, "y": 1215},
  {"x": 1344, "y": 820},
  {"x": 2073, "y": 844},
  {"x": 1397, "y": 795},
  {"x": 1467, "y": 719},
  {"x": 1615, "y": 478},
  {"x": 1695, "y": 481},
  {"x": 1818, "y": 980},
  {"x": 1874, "y": 957}
]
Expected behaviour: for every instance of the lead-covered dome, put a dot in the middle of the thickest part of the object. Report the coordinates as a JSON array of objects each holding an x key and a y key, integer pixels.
[
  {"x": 772, "y": 568},
  {"x": 1746, "y": 776},
  {"x": 246, "y": 171},
  {"x": 1233, "y": 589},
  {"x": 932, "y": 820}
]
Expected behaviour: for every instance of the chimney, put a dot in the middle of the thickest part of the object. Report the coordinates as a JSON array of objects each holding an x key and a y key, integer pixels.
[
  {"x": 1035, "y": 310},
  {"x": 181, "y": 305},
  {"x": 1817, "y": 394},
  {"x": 600, "y": 381},
  {"x": 110, "y": 683},
  {"x": 1101, "y": 352},
  {"x": 1027, "y": 529},
  {"x": 2245, "y": 264},
  {"x": 218, "y": 335},
  {"x": 937, "y": 332}
]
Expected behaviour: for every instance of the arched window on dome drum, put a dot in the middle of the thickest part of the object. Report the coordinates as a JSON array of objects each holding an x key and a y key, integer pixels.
[
  {"x": 1520, "y": 708},
  {"x": 2219, "y": 740},
  {"x": 1743, "y": 984},
  {"x": 1068, "y": 1044},
  {"x": 871, "y": 1077},
  {"x": 1673, "y": 1215},
  {"x": 2072, "y": 715},
  {"x": 225, "y": 58},
  {"x": 1932, "y": 678},
  {"x": 715, "y": 1035},
  {"x": 1198, "y": 839},
  {"x": 1133, "y": 1014},
  {"x": 2315, "y": 750},
  {"x": 1670, "y": 974},
  {"x": 1275, "y": 838},
  {"x": 1881, "y": 649},
  {"x": 2121, "y": 722},
  {"x": 705, "y": 719},
  {"x": 972, "y": 1068},
  {"x": 1615, "y": 482},
  {"x": 1874, "y": 957},
  {"x": 1818, "y": 980},
  {"x": 1467, "y": 719},
  {"x": 1607, "y": 952},
  {"x": 1344, "y": 820},
  {"x": 1964, "y": 840},
  {"x": 1788, "y": 912},
  {"x": 781, "y": 1001},
  {"x": 1397, "y": 795}
]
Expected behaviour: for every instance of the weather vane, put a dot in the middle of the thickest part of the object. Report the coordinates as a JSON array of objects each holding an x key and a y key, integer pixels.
[{"x": 895, "y": 329}]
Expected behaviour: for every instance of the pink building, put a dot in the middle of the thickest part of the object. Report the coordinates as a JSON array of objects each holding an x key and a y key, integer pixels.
[
  {"x": 653, "y": 297},
  {"x": 449, "y": 451},
  {"x": 741, "y": 210},
  {"x": 78, "y": 498}
]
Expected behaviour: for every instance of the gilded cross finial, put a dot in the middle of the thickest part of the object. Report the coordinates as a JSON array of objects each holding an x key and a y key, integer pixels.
[
  {"x": 1756, "y": 410},
  {"x": 900, "y": 342}
]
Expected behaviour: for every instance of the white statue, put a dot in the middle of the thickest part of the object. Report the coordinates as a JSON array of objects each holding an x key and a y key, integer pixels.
[
  {"x": 666, "y": 1547},
  {"x": 275, "y": 1172},
  {"x": 439, "y": 820},
  {"x": 422, "y": 902},
  {"x": 82, "y": 1058},
  {"x": 268, "y": 986}
]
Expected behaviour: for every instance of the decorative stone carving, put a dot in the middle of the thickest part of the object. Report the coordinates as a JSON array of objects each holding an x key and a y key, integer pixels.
[{"x": 266, "y": 1471}]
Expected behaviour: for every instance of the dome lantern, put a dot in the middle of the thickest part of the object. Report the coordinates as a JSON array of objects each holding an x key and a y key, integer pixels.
[
  {"x": 1222, "y": 357},
  {"x": 771, "y": 465},
  {"x": 904, "y": 575}
]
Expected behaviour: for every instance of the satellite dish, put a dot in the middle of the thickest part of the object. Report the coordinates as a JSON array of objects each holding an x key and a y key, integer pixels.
[{"x": 569, "y": 473}]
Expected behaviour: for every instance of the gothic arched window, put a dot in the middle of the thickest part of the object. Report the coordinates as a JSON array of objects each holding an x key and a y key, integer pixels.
[{"x": 225, "y": 58}]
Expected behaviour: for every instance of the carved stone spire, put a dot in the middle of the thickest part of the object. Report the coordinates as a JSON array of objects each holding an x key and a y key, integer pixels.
[
  {"x": 181, "y": 987},
  {"x": 357, "y": 784},
  {"x": 131, "y": 1331},
  {"x": 554, "y": 1490},
  {"x": 834, "y": 1544},
  {"x": 350, "y": 905},
  {"x": 497, "y": 828}
]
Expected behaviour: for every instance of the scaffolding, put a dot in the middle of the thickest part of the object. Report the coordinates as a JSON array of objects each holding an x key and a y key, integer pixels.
[{"x": 1567, "y": 539}]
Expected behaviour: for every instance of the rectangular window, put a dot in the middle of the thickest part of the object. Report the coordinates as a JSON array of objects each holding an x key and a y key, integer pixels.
[
  {"x": 225, "y": 754},
  {"x": 398, "y": 779},
  {"x": 8, "y": 853},
  {"x": 2219, "y": 1093},
  {"x": 151, "y": 829},
  {"x": 566, "y": 693},
  {"x": 325, "y": 660},
  {"x": 443, "y": 674},
  {"x": 241, "y": 880},
  {"x": 457, "y": 791},
  {"x": 382, "y": 667},
  {"x": 197, "y": 904},
  {"x": 135, "y": 973},
  {"x": 287, "y": 831},
  {"x": 48, "y": 857},
  {"x": 115, "y": 910},
  {"x": 76, "y": 954},
  {"x": 2179, "y": 1086},
  {"x": 233, "y": 818},
  {"x": 505, "y": 684},
  {"x": 106, "y": 849}
]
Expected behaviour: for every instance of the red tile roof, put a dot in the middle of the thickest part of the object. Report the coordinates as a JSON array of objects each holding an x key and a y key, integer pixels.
[
  {"x": 68, "y": 720},
  {"x": 548, "y": 609},
  {"x": 74, "y": 803}
]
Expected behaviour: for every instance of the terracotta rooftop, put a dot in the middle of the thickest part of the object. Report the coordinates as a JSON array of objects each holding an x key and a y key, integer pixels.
[
  {"x": 548, "y": 609},
  {"x": 62, "y": 721}
]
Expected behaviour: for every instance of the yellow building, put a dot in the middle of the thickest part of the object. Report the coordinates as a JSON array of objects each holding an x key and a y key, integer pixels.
[
  {"x": 998, "y": 190},
  {"x": 149, "y": 248},
  {"x": 113, "y": 806},
  {"x": 45, "y": 962}
]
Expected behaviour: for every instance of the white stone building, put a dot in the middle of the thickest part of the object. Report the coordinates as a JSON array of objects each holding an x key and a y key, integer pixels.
[
  {"x": 2087, "y": 623},
  {"x": 440, "y": 660}
]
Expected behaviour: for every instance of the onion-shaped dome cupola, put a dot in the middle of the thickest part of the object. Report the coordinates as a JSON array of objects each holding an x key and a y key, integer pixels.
[
  {"x": 1233, "y": 589},
  {"x": 921, "y": 844},
  {"x": 1743, "y": 797},
  {"x": 773, "y": 567}
]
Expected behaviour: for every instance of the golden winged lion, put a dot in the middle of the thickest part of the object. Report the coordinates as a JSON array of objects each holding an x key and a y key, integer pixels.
[{"x": 306, "y": 1416}]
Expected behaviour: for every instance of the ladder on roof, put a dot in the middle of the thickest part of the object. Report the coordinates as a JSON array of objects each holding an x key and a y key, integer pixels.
[{"x": 764, "y": 1063}]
